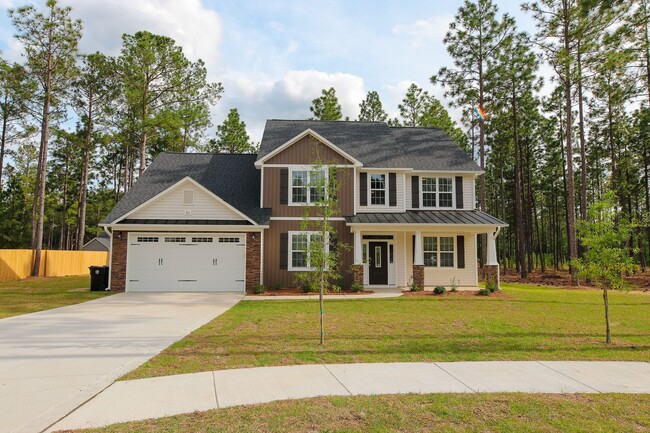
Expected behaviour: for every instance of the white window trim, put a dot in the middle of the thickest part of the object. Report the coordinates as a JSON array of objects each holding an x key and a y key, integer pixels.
[
  {"x": 438, "y": 261},
  {"x": 386, "y": 190},
  {"x": 309, "y": 169},
  {"x": 453, "y": 193},
  {"x": 290, "y": 266}
]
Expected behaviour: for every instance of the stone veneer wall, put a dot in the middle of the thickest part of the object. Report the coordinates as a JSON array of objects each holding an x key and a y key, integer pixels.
[
  {"x": 118, "y": 261},
  {"x": 253, "y": 260}
]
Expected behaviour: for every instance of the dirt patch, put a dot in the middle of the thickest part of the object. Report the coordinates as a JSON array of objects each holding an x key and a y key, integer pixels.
[
  {"x": 639, "y": 282},
  {"x": 291, "y": 291},
  {"x": 459, "y": 294}
]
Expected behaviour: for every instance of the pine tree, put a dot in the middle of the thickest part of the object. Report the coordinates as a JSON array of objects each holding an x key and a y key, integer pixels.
[
  {"x": 371, "y": 109},
  {"x": 50, "y": 41},
  {"x": 232, "y": 136},
  {"x": 326, "y": 106}
]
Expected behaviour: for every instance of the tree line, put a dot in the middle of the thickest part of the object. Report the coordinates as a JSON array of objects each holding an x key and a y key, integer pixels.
[{"x": 548, "y": 157}]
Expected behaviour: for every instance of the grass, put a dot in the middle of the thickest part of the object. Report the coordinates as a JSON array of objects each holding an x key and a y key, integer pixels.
[
  {"x": 529, "y": 323},
  {"x": 36, "y": 294},
  {"x": 417, "y": 413}
]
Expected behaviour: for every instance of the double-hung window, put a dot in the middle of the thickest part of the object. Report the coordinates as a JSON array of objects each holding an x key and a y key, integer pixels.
[
  {"x": 439, "y": 251},
  {"x": 437, "y": 192},
  {"x": 377, "y": 189},
  {"x": 302, "y": 247},
  {"x": 307, "y": 186}
]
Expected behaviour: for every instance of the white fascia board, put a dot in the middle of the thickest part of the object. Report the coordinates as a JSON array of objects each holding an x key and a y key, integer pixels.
[
  {"x": 185, "y": 228},
  {"x": 302, "y": 135},
  {"x": 195, "y": 183}
]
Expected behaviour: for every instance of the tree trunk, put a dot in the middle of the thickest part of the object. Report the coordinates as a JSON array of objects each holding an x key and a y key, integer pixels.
[
  {"x": 608, "y": 333},
  {"x": 83, "y": 190},
  {"x": 482, "y": 160},
  {"x": 64, "y": 204},
  {"x": 3, "y": 141},
  {"x": 571, "y": 206},
  {"x": 583, "y": 151},
  {"x": 519, "y": 215},
  {"x": 40, "y": 200}
]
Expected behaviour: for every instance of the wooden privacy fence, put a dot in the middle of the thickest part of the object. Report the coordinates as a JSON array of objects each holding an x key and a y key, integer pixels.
[{"x": 17, "y": 264}]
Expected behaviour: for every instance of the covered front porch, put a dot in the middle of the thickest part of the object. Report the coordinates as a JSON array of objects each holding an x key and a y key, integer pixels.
[{"x": 425, "y": 248}]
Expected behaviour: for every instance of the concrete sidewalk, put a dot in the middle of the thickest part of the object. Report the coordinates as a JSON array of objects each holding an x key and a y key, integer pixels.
[
  {"x": 389, "y": 292},
  {"x": 172, "y": 395}
]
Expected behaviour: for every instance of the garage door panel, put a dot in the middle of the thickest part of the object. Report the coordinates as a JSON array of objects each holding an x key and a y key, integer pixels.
[{"x": 181, "y": 262}]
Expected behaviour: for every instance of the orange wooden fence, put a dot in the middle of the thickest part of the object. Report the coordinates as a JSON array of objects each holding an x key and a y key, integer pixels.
[{"x": 17, "y": 264}]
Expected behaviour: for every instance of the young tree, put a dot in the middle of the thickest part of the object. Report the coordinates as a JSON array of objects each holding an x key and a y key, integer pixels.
[
  {"x": 15, "y": 90},
  {"x": 371, "y": 109},
  {"x": 163, "y": 89},
  {"x": 474, "y": 40},
  {"x": 50, "y": 42},
  {"x": 606, "y": 258},
  {"x": 95, "y": 89},
  {"x": 326, "y": 106},
  {"x": 232, "y": 136},
  {"x": 321, "y": 236}
]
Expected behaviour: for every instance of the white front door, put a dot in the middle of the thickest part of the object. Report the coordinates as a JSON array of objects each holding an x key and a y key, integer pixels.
[{"x": 186, "y": 262}]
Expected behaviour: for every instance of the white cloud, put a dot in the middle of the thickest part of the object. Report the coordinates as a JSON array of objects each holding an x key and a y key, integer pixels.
[
  {"x": 423, "y": 32},
  {"x": 194, "y": 27}
]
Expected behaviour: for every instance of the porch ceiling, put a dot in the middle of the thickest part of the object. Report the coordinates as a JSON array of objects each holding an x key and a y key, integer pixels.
[{"x": 467, "y": 218}]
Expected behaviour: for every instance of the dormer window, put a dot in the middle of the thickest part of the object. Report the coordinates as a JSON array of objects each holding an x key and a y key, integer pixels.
[{"x": 188, "y": 197}]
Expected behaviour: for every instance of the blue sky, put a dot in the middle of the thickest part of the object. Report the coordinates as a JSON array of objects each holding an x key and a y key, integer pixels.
[{"x": 274, "y": 57}]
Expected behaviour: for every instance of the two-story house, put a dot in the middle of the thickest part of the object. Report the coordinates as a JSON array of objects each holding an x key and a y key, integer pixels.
[{"x": 196, "y": 222}]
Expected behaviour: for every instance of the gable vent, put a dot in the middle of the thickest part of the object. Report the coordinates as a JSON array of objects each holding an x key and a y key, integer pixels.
[{"x": 188, "y": 197}]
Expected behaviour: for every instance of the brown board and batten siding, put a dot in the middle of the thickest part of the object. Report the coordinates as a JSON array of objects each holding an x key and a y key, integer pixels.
[
  {"x": 272, "y": 192},
  {"x": 308, "y": 150},
  {"x": 273, "y": 246}
]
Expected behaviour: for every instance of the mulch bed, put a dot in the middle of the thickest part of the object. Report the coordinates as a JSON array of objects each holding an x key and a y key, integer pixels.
[
  {"x": 294, "y": 291},
  {"x": 460, "y": 293},
  {"x": 639, "y": 282}
]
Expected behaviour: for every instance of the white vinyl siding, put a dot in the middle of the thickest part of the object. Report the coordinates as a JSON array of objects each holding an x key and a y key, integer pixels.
[
  {"x": 170, "y": 206},
  {"x": 399, "y": 179}
]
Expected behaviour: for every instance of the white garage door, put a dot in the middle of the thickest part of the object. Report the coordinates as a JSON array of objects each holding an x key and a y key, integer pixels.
[{"x": 182, "y": 262}]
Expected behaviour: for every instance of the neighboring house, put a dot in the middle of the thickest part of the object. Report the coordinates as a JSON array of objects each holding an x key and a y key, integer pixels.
[
  {"x": 100, "y": 243},
  {"x": 229, "y": 222}
]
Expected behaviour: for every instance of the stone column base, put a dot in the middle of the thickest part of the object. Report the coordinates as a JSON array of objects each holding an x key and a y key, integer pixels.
[
  {"x": 357, "y": 274},
  {"x": 491, "y": 275},
  {"x": 418, "y": 276}
]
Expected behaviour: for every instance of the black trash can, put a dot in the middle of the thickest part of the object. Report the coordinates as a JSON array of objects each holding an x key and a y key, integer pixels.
[{"x": 98, "y": 278}]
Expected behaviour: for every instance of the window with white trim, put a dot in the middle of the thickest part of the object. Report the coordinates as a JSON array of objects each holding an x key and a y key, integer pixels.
[
  {"x": 378, "y": 186},
  {"x": 438, "y": 251},
  {"x": 437, "y": 192},
  {"x": 300, "y": 246},
  {"x": 307, "y": 186}
]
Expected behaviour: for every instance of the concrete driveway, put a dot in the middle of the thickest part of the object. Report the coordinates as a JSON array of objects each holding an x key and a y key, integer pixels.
[{"x": 53, "y": 361}]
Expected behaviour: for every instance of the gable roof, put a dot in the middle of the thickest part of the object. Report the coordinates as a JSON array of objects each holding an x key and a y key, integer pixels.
[
  {"x": 375, "y": 144},
  {"x": 231, "y": 177}
]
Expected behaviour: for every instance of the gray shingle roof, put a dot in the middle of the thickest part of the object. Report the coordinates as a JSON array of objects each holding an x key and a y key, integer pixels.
[
  {"x": 376, "y": 144},
  {"x": 435, "y": 217},
  {"x": 232, "y": 177}
]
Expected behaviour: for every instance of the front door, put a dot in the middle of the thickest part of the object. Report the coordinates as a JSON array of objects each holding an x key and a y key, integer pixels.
[{"x": 378, "y": 266}]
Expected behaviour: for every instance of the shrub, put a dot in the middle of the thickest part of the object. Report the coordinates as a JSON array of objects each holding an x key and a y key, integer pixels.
[
  {"x": 454, "y": 285},
  {"x": 439, "y": 290},
  {"x": 357, "y": 288},
  {"x": 413, "y": 287},
  {"x": 309, "y": 288},
  {"x": 335, "y": 288},
  {"x": 277, "y": 286},
  {"x": 259, "y": 289},
  {"x": 491, "y": 286},
  {"x": 484, "y": 292}
]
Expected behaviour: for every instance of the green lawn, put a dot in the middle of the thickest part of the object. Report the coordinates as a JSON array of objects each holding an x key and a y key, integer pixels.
[
  {"x": 529, "y": 323},
  {"x": 417, "y": 413},
  {"x": 36, "y": 294}
]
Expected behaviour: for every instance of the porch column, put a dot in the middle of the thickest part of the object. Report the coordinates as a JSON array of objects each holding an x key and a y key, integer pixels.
[
  {"x": 357, "y": 267},
  {"x": 491, "y": 268},
  {"x": 418, "y": 262},
  {"x": 358, "y": 256},
  {"x": 419, "y": 256}
]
